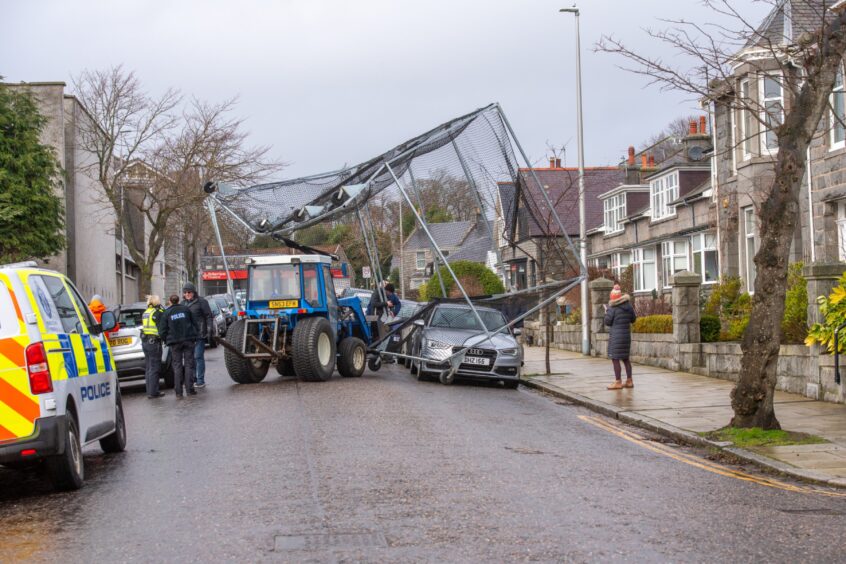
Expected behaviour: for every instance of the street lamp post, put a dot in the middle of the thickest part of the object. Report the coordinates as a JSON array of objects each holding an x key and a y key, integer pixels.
[{"x": 582, "y": 227}]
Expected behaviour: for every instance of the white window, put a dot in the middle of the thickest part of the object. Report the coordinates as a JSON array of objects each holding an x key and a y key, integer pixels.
[
  {"x": 837, "y": 115},
  {"x": 421, "y": 260},
  {"x": 416, "y": 283},
  {"x": 745, "y": 121},
  {"x": 664, "y": 190},
  {"x": 772, "y": 100},
  {"x": 644, "y": 270},
  {"x": 620, "y": 262},
  {"x": 674, "y": 259},
  {"x": 704, "y": 247},
  {"x": 750, "y": 229},
  {"x": 733, "y": 140},
  {"x": 615, "y": 211},
  {"x": 841, "y": 231}
]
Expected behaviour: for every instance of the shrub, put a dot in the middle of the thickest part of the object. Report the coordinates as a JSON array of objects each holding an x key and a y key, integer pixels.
[
  {"x": 709, "y": 328},
  {"x": 652, "y": 306},
  {"x": 735, "y": 330},
  {"x": 476, "y": 278},
  {"x": 794, "y": 325},
  {"x": 653, "y": 324},
  {"x": 574, "y": 317},
  {"x": 723, "y": 296},
  {"x": 833, "y": 311}
]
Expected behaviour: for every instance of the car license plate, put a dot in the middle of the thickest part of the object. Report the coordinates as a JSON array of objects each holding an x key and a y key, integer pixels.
[
  {"x": 477, "y": 360},
  {"x": 283, "y": 304},
  {"x": 120, "y": 341}
]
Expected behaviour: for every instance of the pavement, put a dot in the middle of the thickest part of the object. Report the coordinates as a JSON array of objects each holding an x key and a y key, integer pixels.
[{"x": 682, "y": 405}]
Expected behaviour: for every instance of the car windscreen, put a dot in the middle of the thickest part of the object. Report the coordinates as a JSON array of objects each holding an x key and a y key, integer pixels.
[
  {"x": 275, "y": 282},
  {"x": 463, "y": 318},
  {"x": 221, "y": 303}
]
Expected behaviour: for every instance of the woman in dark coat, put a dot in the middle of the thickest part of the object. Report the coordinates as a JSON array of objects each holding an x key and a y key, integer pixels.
[{"x": 619, "y": 316}]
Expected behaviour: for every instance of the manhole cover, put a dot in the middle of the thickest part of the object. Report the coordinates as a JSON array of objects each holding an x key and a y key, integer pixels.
[{"x": 329, "y": 541}]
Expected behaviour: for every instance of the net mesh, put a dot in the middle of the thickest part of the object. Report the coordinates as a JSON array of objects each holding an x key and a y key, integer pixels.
[{"x": 475, "y": 152}]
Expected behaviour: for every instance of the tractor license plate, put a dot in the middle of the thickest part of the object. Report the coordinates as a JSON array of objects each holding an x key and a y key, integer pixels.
[
  {"x": 477, "y": 360},
  {"x": 120, "y": 341},
  {"x": 283, "y": 304}
]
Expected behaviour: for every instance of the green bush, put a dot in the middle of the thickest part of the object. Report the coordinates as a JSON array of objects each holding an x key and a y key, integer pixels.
[
  {"x": 794, "y": 324},
  {"x": 476, "y": 278},
  {"x": 709, "y": 328},
  {"x": 735, "y": 330},
  {"x": 574, "y": 318},
  {"x": 653, "y": 324},
  {"x": 833, "y": 310},
  {"x": 723, "y": 296}
]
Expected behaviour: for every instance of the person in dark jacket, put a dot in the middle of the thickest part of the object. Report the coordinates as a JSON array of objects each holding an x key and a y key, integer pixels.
[
  {"x": 177, "y": 329},
  {"x": 204, "y": 326},
  {"x": 619, "y": 316}
]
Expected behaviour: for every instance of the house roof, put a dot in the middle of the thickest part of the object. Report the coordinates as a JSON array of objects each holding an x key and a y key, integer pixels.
[
  {"x": 449, "y": 234},
  {"x": 475, "y": 247},
  {"x": 694, "y": 194},
  {"x": 788, "y": 20},
  {"x": 562, "y": 187}
]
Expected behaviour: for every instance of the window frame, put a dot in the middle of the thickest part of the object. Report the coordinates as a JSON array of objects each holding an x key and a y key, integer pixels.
[
  {"x": 638, "y": 261},
  {"x": 749, "y": 268},
  {"x": 614, "y": 211},
  {"x": 417, "y": 257},
  {"x": 841, "y": 230},
  {"x": 618, "y": 264},
  {"x": 704, "y": 249},
  {"x": 765, "y": 114},
  {"x": 834, "y": 123},
  {"x": 662, "y": 192},
  {"x": 668, "y": 259},
  {"x": 745, "y": 120}
]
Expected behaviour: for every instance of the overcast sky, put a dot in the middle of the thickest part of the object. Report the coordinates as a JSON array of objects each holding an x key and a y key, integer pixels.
[{"x": 328, "y": 82}]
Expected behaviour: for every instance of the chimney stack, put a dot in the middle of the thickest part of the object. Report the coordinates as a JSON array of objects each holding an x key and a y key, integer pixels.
[
  {"x": 693, "y": 130},
  {"x": 643, "y": 162},
  {"x": 557, "y": 162},
  {"x": 651, "y": 161},
  {"x": 551, "y": 162},
  {"x": 703, "y": 129},
  {"x": 631, "y": 160}
]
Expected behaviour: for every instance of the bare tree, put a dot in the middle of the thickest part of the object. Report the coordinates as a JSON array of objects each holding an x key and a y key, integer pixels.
[
  {"x": 151, "y": 160},
  {"x": 805, "y": 56}
]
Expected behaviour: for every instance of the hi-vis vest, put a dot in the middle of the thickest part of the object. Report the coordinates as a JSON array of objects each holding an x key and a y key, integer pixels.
[{"x": 148, "y": 324}]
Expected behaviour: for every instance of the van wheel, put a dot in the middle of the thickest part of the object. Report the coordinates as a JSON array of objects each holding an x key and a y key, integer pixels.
[
  {"x": 116, "y": 442},
  {"x": 67, "y": 470}
]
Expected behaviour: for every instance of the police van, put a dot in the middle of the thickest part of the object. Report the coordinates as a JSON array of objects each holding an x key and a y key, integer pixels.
[{"x": 58, "y": 385}]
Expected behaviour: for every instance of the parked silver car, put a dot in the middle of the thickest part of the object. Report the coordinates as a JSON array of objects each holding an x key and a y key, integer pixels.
[
  {"x": 125, "y": 345},
  {"x": 449, "y": 328}
]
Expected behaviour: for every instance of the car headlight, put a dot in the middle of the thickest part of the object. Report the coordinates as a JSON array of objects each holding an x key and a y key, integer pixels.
[
  {"x": 432, "y": 344},
  {"x": 508, "y": 352}
]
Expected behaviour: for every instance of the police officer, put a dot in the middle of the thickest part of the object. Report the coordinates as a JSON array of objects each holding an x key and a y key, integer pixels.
[
  {"x": 151, "y": 343},
  {"x": 203, "y": 325},
  {"x": 176, "y": 328}
]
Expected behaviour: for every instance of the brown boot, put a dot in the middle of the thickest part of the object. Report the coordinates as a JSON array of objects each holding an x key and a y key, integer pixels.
[
  {"x": 629, "y": 383},
  {"x": 617, "y": 385}
]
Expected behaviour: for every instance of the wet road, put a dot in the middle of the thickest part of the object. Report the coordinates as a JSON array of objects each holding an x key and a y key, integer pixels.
[{"x": 384, "y": 468}]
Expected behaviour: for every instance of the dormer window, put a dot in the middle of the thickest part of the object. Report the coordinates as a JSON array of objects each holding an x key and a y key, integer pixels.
[
  {"x": 615, "y": 211},
  {"x": 663, "y": 191}
]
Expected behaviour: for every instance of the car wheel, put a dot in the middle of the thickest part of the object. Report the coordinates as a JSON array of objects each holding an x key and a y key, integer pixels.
[
  {"x": 116, "y": 442},
  {"x": 511, "y": 384},
  {"x": 67, "y": 470}
]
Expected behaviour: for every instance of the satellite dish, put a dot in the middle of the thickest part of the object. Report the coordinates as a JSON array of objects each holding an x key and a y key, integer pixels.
[{"x": 695, "y": 153}]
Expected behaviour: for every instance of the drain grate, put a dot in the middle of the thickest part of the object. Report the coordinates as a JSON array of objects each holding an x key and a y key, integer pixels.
[{"x": 329, "y": 541}]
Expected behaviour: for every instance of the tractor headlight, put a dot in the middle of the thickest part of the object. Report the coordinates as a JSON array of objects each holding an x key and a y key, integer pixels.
[
  {"x": 508, "y": 352},
  {"x": 437, "y": 345}
]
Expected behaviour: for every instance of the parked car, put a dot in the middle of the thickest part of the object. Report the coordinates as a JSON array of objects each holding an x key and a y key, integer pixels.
[
  {"x": 219, "y": 322},
  {"x": 450, "y": 327},
  {"x": 226, "y": 305},
  {"x": 361, "y": 293},
  {"x": 126, "y": 346}
]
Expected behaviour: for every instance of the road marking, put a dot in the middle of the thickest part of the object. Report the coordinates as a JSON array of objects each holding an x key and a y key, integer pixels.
[{"x": 702, "y": 463}]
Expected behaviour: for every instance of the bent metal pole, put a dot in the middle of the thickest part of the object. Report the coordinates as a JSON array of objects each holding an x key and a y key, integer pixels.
[{"x": 229, "y": 285}]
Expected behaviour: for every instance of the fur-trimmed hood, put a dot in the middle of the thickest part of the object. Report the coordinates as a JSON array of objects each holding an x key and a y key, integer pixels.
[{"x": 619, "y": 301}]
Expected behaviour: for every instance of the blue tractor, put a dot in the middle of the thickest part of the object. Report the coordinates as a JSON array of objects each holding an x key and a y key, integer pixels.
[{"x": 293, "y": 320}]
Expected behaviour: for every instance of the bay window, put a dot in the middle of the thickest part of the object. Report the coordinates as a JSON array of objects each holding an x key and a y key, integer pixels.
[
  {"x": 750, "y": 229},
  {"x": 619, "y": 263},
  {"x": 704, "y": 250},
  {"x": 837, "y": 115},
  {"x": 745, "y": 121},
  {"x": 772, "y": 100},
  {"x": 841, "y": 231},
  {"x": 643, "y": 261},
  {"x": 674, "y": 259}
]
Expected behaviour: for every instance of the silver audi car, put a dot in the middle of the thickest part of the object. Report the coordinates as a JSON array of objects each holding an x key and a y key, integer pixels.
[{"x": 449, "y": 328}]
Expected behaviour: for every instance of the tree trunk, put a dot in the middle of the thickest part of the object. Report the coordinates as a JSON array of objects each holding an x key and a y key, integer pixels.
[
  {"x": 752, "y": 397},
  {"x": 145, "y": 283}
]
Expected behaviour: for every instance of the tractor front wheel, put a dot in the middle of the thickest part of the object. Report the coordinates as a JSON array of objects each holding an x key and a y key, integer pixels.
[
  {"x": 352, "y": 357},
  {"x": 243, "y": 370},
  {"x": 314, "y": 349}
]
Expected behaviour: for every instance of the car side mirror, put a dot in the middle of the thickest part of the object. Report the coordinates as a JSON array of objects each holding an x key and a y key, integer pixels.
[
  {"x": 419, "y": 323},
  {"x": 108, "y": 321},
  {"x": 517, "y": 331}
]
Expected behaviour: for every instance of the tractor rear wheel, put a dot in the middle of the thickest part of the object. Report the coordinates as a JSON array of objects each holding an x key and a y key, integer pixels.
[
  {"x": 314, "y": 349},
  {"x": 285, "y": 367},
  {"x": 352, "y": 357},
  {"x": 243, "y": 370}
]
